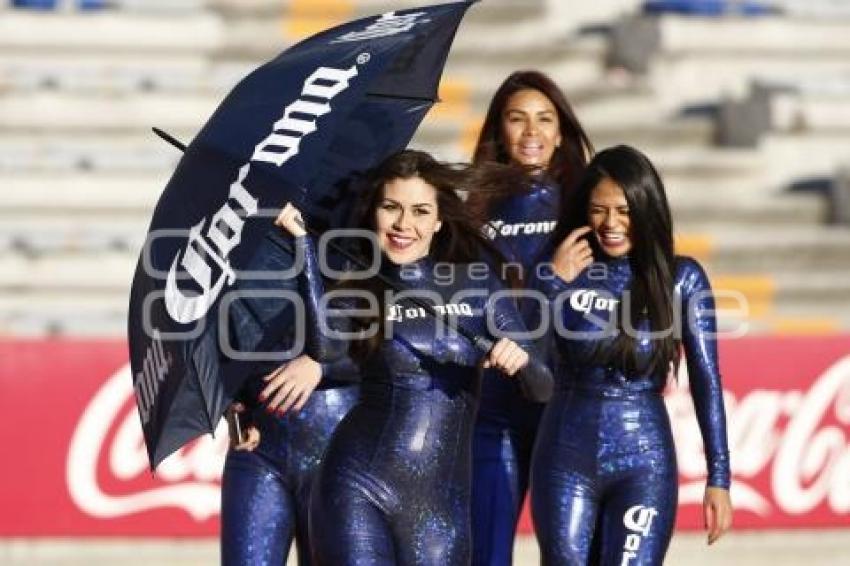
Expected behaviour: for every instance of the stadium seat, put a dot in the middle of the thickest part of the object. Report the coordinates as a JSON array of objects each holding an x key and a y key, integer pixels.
[{"x": 708, "y": 7}]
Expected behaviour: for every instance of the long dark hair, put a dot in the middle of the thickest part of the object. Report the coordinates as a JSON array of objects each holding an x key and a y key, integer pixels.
[
  {"x": 568, "y": 160},
  {"x": 459, "y": 239},
  {"x": 652, "y": 256}
]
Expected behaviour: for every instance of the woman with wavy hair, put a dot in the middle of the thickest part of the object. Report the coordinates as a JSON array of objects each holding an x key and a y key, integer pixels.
[
  {"x": 394, "y": 484},
  {"x": 624, "y": 307},
  {"x": 531, "y": 125}
]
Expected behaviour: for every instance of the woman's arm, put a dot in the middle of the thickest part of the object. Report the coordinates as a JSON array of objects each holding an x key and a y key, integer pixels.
[
  {"x": 290, "y": 385},
  {"x": 699, "y": 338},
  {"x": 516, "y": 350},
  {"x": 320, "y": 345}
]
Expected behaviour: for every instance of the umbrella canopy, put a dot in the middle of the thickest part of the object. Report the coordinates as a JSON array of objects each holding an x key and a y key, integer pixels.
[{"x": 296, "y": 129}]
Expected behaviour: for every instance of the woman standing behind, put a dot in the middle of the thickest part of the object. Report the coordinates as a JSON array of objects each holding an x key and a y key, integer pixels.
[
  {"x": 530, "y": 124},
  {"x": 269, "y": 472},
  {"x": 394, "y": 485},
  {"x": 604, "y": 472}
]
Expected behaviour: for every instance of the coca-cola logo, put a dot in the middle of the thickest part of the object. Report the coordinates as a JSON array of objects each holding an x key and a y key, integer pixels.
[
  {"x": 798, "y": 438},
  {"x": 790, "y": 453},
  {"x": 108, "y": 472}
]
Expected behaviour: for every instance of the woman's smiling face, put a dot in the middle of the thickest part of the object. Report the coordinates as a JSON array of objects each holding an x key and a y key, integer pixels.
[
  {"x": 406, "y": 219},
  {"x": 530, "y": 128},
  {"x": 608, "y": 216}
]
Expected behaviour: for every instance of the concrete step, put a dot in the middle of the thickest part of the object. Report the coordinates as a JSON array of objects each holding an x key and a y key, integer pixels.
[
  {"x": 731, "y": 35},
  {"x": 53, "y": 112},
  {"x": 799, "y": 112},
  {"x": 101, "y": 193},
  {"x": 263, "y": 28},
  {"x": 697, "y": 212},
  {"x": 37, "y": 234},
  {"x": 697, "y": 78},
  {"x": 728, "y": 174},
  {"x": 39, "y": 154},
  {"x": 41, "y": 303},
  {"x": 750, "y": 249},
  {"x": 799, "y": 156},
  {"x": 77, "y": 319},
  {"x": 787, "y": 288},
  {"x": 693, "y": 60},
  {"x": 105, "y": 72},
  {"x": 479, "y": 53},
  {"x": 486, "y": 58},
  {"x": 67, "y": 272},
  {"x": 113, "y": 31},
  {"x": 691, "y": 132}
]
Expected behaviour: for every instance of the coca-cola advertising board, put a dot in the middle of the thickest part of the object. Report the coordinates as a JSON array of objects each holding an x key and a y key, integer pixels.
[{"x": 75, "y": 463}]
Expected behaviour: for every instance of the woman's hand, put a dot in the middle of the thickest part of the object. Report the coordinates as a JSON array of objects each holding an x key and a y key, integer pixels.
[
  {"x": 290, "y": 385},
  {"x": 717, "y": 511},
  {"x": 573, "y": 255},
  {"x": 250, "y": 437},
  {"x": 506, "y": 356},
  {"x": 290, "y": 220}
]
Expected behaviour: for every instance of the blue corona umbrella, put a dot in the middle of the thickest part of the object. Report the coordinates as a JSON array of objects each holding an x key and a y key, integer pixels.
[{"x": 296, "y": 129}]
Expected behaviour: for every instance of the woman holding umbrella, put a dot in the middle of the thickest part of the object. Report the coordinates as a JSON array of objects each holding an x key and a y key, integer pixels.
[
  {"x": 604, "y": 471},
  {"x": 530, "y": 124},
  {"x": 394, "y": 485}
]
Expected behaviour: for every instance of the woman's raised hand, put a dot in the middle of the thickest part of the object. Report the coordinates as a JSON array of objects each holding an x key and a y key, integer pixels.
[{"x": 573, "y": 255}]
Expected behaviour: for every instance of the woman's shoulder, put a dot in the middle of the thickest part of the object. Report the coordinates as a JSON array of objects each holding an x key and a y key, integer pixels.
[{"x": 690, "y": 274}]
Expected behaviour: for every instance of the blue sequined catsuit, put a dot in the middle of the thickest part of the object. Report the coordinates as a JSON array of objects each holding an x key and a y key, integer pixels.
[
  {"x": 604, "y": 469},
  {"x": 506, "y": 425},
  {"x": 265, "y": 493},
  {"x": 394, "y": 485}
]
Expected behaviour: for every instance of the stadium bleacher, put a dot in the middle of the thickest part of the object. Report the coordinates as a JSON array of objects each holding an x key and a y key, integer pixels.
[{"x": 735, "y": 110}]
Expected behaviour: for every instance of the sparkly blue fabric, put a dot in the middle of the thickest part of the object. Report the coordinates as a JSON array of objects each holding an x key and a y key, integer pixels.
[
  {"x": 266, "y": 493},
  {"x": 521, "y": 224},
  {"x": 604, "y": 470},
  {"x": 506, "y": 425},
  {"x": 394, "y": 485}
]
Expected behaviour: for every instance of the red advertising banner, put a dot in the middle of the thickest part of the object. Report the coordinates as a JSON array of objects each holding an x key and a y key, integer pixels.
[{"x": 75, "y": 463}]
